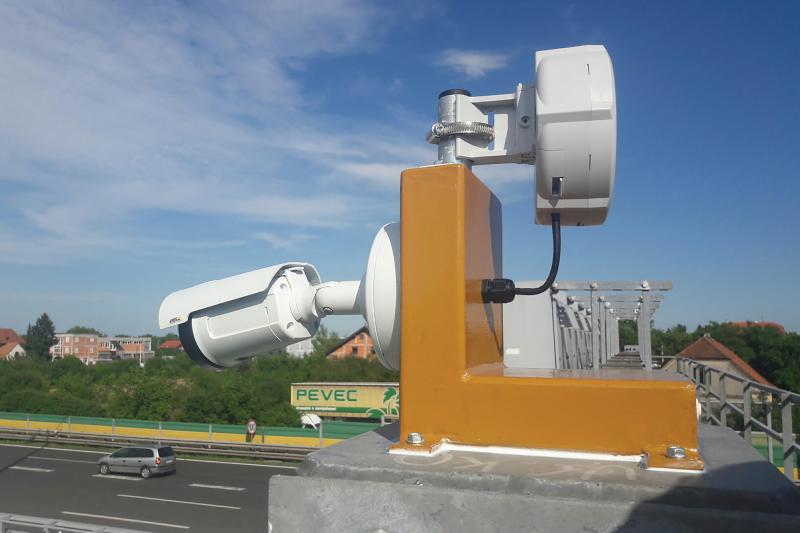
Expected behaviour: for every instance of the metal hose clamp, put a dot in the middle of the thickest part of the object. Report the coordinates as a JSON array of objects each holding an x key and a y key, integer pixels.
[{"x": 441, "y": 131}]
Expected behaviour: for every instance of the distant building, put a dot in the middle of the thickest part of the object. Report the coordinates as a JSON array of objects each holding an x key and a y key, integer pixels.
[
  {"x": 10, "y": 344},
  {"x": 9, "y": 335},
  {"x": 171, "y": 344},
  {"x": 11, "y": 350},
  {"x": 710, "y": 352},
  {"x": 113, "y": 348},
  {"x": 758, "y": 324},
  {"x": 358, "y": 344},
  {"x": 84, "y": 346},
  {"x": 300, "y": 349},
  {"x": 91, "y": 349}
]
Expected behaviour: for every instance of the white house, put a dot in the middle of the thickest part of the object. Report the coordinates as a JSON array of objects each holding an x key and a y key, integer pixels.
[{"x": 11, "y": 350}]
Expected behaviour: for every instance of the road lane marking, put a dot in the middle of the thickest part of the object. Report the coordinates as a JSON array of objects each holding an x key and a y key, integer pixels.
[
  {"x": 63, "y": 460},
  {"x": 114, "y": 476},
  {"x": 179, "y": 501},
  {"x": 30, "y": 469},
  {"x": 162, "y": 524},
  {"x": 220, "y": 487},
  {"x": 234, "y": 463},
  {"x": 99, "y": 454}
]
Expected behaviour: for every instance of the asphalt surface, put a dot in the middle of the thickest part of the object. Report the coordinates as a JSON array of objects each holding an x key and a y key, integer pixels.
[{"x": 200, "y": 497}]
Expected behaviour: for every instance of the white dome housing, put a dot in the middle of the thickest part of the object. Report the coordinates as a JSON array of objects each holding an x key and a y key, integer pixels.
[{"x": 576, "y": 129}]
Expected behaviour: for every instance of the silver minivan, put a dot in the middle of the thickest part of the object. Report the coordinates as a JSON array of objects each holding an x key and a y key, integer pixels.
[{"x": 142, "y": 460}]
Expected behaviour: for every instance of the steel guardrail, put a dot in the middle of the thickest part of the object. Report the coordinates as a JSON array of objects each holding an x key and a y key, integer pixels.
[
  {"x": 701, "y": 377},
  {"x": 16, "y": 523},
  {"x": 256, "y": 451}
]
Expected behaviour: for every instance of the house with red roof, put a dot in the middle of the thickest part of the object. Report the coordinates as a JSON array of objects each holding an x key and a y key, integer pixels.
[
  {"x": 9, "y": 335},
  {"x": 357, "y": 344},
  {"x": 710, "y": 352},
  {"x": 171, "y": 344},
  {"x": 758, "y": 324},
  {"x": 10, "y": 344}
]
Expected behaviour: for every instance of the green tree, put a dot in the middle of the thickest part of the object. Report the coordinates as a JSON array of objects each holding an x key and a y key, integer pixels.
[
  {"x": 773, "y": 354},
  {"x": 83, "y": 330},
  {"x": 670, "y": 341},
  {"x": 40, "y": 337},
  {"x": 628, "y": 334},
  {"x": 324, "y": 340}
]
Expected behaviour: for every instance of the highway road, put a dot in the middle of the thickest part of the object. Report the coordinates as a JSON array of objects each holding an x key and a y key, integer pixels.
[{"x": 201, "y": 497}]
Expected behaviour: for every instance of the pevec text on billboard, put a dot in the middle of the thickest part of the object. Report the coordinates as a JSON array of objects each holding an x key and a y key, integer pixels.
[{"x": 353, "y": 400}]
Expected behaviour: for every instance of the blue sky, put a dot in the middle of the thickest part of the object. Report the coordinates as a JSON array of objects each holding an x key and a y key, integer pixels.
[{"x": 149, "y": 146}]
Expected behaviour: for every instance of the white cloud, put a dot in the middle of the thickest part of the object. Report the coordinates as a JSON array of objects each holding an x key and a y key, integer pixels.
[
  {"x": 113, "y": 112},
  {"x": 473, "y": 63},
  {"x": 282, "y": 241}
]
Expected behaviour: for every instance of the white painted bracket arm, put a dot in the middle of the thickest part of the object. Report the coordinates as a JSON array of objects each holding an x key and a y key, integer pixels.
[
  {"x": 512, "y": 117},
  {"x": 340, "y": 298}
]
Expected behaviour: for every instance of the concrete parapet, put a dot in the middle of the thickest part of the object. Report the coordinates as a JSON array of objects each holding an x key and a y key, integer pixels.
[{"x": 357, "y": 486}]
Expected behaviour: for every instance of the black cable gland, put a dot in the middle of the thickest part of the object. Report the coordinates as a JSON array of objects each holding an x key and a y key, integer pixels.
[{"x": 499, "y": 290}]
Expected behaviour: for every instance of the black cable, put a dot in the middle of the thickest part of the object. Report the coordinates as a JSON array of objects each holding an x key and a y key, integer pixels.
[
  {"x": 503, "y": 290},
  {"x": 555, "y": 220}
]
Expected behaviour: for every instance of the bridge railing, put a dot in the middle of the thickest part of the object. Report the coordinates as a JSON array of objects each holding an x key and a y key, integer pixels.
[
  {"x": 44, "y": 438},
  {"x": 14, "y": 523},
  {"x": 765, "y": 396}
]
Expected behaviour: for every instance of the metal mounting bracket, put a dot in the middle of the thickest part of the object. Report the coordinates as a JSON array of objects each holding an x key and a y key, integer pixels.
[{"x": 486, "y": 130}]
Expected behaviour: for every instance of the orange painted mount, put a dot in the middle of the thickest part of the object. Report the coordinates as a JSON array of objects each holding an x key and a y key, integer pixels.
[{"x": 455, "y": 386}]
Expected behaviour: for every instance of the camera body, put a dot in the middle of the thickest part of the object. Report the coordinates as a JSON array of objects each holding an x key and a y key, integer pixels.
[{"x": 224, "y": 323}]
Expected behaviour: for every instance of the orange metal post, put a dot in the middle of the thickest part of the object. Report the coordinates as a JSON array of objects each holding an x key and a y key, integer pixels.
[{"x": 455, "y": 386}]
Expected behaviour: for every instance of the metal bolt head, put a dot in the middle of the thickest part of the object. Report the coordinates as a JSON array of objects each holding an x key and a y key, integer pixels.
[
  {"x": 676, "y": 452},
  {"x": 415, "y": 438}
]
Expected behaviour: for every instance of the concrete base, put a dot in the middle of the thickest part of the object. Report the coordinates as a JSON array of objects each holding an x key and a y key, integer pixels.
[{"x": 357, "y": 486}]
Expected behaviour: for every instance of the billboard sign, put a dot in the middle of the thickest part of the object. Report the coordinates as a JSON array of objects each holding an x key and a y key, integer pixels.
[{"x": 355, "y": 400}]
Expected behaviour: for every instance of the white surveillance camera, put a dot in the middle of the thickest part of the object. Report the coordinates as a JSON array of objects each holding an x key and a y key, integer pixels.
[{"x": 224, "y": 323}]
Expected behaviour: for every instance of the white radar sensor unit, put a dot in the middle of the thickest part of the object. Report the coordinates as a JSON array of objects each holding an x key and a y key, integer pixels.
[
  {"x": 226, "y": 322},
  {"x": 576, "y": 135},
  {"x": 565, "y": 124}
]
